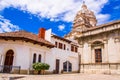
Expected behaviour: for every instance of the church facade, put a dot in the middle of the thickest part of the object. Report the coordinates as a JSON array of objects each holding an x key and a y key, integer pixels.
[{"x": 99, "y": 45}]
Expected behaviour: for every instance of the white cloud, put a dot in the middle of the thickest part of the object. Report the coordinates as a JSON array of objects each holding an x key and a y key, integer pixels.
[
  {"x": 56, "y": 9},
  {"x": 61, "y": 27},
  {"x": 116, "y": 7},
  {"x": 102, "y": 18},
  {"x": 6, "y": 26}
]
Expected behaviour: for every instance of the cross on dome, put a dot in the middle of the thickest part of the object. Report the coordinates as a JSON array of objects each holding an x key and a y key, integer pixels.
[
  {"x": 83, "y": 2},
  {"x": 83, "y": 5}
]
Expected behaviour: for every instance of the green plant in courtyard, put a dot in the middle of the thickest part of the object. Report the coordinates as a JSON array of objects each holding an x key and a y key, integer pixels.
[{"x": 41, "y": 67}]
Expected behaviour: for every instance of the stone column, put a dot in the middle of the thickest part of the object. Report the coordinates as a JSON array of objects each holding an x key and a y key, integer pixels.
[
  {"x": 82, "y": 58},
  {"x": 117, "y": 42},
  {"x": 90, "y": 52},
  {"x": 105, "y": 54},
  {"x": 81, "y": 53}
]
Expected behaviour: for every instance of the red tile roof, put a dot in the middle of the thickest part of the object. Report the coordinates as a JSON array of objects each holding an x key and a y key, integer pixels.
[{"x": 26, "y": 36}]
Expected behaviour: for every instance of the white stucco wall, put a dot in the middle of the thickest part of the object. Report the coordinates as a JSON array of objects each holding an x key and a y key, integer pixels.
[
  {"x": 65, "y": 55},
  {"x": 23, "y": 52}
]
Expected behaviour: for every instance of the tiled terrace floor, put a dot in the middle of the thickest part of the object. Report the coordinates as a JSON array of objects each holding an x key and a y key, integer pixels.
[{"x": 60, "y": 77}]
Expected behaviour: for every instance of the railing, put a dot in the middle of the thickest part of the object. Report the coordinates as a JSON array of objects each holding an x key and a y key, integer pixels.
[
  {"x": 102, "y": 67},
  {"x": 10, "y": 69}
]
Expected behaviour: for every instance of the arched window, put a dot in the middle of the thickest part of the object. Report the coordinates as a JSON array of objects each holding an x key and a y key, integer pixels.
[
  {"x": 39, "y": 58},
  {"x": 34, "y": 58},
  {"x": 67, "y": 66}
]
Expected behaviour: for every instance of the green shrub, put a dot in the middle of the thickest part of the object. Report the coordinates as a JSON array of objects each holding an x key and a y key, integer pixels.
[{"x": 40, "y": 66}]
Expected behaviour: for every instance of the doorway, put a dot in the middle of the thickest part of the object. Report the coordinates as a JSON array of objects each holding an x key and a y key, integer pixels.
[
  {"x": 8, "y": 61},
  {"x": 57, "y": 65},
  {"x": 67, "y": 66}
]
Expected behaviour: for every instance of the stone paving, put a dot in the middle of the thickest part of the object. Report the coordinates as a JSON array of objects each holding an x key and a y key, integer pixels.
[{"x": 60, "y": 77}]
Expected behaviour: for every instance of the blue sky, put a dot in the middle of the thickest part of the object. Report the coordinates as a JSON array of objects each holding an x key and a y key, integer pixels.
[{"x": 30, "y": 15}]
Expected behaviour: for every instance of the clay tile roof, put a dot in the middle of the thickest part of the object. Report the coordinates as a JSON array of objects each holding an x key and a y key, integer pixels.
[{"x": 26, "y": 36}]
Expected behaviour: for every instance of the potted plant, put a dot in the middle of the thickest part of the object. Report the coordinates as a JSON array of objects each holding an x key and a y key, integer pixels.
[{"x": 41, "y": 67}]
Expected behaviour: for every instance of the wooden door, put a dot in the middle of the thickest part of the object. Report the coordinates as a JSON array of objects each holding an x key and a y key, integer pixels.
[
  {"x": 57, "y": 65},
  {"x": 8, "y": 61}
]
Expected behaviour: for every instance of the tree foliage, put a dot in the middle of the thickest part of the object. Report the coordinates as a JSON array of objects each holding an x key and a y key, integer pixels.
[{"x": 40, "y": 66}]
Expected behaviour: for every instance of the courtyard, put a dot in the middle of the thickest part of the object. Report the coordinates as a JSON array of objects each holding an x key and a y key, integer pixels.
[{"x": 76, "y": 76}]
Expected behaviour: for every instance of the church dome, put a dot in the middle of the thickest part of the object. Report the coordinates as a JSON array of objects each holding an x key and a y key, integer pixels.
[{"x": 84, "y": 17}]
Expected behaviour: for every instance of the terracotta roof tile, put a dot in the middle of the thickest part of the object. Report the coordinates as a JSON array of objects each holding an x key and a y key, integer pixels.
[{"x": 28, "y": 36}]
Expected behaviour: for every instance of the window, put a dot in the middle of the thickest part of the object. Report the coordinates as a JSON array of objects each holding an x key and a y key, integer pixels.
[
  {"x": 67, "y": 66},
  {"x": 98, "y": 56},
  {"x": 56, "y": 44},
  {"x": 64, "y": 47},
  {"x": 60, "y": 45},
  {"x": 76, "y": 49},
  {"x": 34, "y": 58},
  {"x": 72, "y": 48},
  {"x": 39, "y": 58}
]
